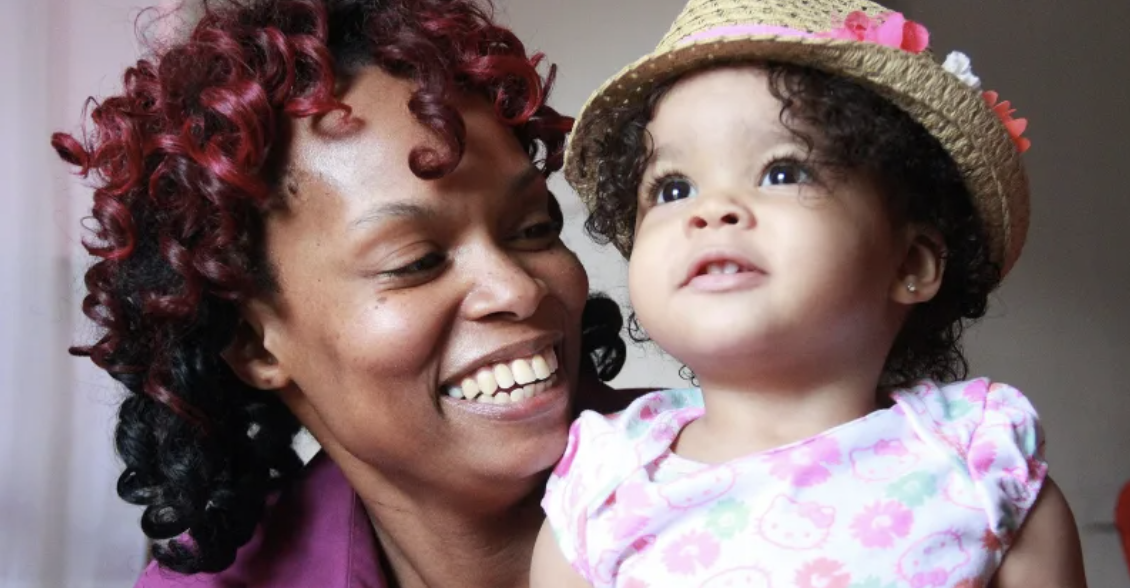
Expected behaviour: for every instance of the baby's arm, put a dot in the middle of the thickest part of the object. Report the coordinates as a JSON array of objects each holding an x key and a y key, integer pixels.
[
  {"x": 1047, "y": 552},
  {"x": 549, "y": 568}
]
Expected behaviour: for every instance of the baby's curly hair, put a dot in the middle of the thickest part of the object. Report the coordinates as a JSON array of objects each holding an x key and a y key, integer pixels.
[
  {"x": 183, "y": 167},
  {"x": 859, "y": 130}
]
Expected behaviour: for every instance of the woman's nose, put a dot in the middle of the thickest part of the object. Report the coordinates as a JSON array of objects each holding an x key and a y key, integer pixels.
[{"x": 504, "y": 288}]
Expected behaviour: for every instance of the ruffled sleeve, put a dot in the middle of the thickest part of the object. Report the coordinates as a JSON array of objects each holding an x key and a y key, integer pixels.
[
  {"x": 603, "y": 452},
  {"x": 1006, "y": 456},
  {"x": 995, "y": 433}
]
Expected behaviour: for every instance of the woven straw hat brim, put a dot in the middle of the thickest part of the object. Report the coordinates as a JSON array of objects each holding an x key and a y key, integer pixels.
[{"x": 956, "y": 114}]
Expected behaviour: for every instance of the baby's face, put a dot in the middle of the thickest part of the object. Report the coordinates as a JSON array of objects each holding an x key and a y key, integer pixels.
[{"x": 743, "y": 250}]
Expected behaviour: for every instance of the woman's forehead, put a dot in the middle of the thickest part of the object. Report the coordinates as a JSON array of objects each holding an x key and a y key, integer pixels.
[
  {"x": 374, "y": 142},
  {"x": 364, "y": 164}
]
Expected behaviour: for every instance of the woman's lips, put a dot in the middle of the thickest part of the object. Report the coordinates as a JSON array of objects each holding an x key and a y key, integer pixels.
[
  {"x": 551, "y": 402},
  {"x": 509, "y": 381}
]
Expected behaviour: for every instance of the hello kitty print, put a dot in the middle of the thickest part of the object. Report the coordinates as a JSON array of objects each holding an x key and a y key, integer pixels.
[{"x": 926, "y": 494}]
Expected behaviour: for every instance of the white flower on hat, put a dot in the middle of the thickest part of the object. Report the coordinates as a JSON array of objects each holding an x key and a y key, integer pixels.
[{"x": 958, "y": 64}]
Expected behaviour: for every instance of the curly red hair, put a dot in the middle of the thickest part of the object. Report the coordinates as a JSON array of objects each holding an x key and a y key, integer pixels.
[{"x": 183, "y": 178}]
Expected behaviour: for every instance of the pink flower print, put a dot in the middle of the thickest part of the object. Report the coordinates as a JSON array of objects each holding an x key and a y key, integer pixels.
[
  {"x": 806, "y": 464},
  {"x": 747, "y": 577},
  {"x": 648, "y": 412},
  {"x": 879, "y": 524},
  {"x": 635, "y": 583},
  {"x": 990, "y": 542},
  {"x": 689, "y": 553},
  {"x": 981, "y": 458},
  {"x": 976, "y": 391},
  {"x": 823, "y": 573}
]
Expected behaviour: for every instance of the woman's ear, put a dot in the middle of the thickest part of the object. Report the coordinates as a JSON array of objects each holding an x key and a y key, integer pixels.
[
  {"x": 249, "y": 355},
  {"x": 920, "y": 275}
]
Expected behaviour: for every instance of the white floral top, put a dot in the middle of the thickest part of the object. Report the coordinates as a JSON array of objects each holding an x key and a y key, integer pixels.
[{"x": 925, "y": 494}]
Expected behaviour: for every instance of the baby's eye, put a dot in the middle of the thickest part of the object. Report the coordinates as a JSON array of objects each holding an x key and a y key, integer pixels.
[
  {"x": 674, "y": 188},
  {"x": 785, "y": 173}
]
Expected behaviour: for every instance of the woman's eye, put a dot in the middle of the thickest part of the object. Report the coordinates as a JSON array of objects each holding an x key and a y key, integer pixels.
[
  {"x": 785, "y": 173},
  {"x": 537, "y": 237},
  {"x": 540, "y": 231},
  {"x": 671, "y": 189},
  {"x": 424, "y": 264}
]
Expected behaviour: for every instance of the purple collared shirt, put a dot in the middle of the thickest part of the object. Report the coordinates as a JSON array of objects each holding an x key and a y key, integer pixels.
[{"x": 316, "y": 534}]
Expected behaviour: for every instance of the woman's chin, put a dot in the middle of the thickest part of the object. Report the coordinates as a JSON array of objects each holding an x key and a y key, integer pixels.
[{"x": 520, "y": 439}]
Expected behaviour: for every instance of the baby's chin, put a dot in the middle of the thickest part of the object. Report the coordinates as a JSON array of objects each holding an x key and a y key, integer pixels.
[{"x": 706, "y": 350}]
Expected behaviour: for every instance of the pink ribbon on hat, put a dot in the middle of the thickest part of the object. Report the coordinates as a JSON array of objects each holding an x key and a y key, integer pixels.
[{"x": 891, "y": 30}]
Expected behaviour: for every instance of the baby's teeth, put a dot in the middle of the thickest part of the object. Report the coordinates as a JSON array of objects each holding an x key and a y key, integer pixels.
[
  {"x": 470, "y": 388},
  {"x": 541, "y": 368},
  {"x": 503, "y": 376},
  {"x": 530, "y": 390},
  {"x": 551, "y": 359},
  {"x": 502, "y": 398},
  {"x": 518, "y": 395},
  {"x": 713, "y": 268},
  {"x": 523, "y": 372},
  {"x": 486, "y": 381},
  {"x": 730, "y": 268},
  {"x": 454, "y": 392}
]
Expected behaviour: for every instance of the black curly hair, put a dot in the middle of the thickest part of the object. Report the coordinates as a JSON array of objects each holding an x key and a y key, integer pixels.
[
  {"x": 183, "y": 173},
  {"x": 857, "y": 130}
]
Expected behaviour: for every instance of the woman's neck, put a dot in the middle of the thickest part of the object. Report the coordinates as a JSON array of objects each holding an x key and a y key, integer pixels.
[{"x": 435, "y": 540}]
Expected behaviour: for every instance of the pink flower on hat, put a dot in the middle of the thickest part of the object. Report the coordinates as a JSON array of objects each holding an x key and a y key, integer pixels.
[
  {"x": 891, "y": 30},
  {"x": 1015, "y": 126}
]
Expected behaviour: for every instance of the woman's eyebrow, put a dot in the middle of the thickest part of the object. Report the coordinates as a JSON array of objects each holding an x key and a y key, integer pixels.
[
  {"x": 398, "y": 209},
  {"x": 516, "y": 187}
]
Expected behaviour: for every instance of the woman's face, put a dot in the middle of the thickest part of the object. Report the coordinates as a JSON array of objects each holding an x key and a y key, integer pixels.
[{"x": 394, "y": 291}]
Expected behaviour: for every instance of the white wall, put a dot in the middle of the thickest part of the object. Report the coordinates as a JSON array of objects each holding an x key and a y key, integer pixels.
[
  {"x": 1059, "y": 328},
  {"x": 61, "y": 522}
]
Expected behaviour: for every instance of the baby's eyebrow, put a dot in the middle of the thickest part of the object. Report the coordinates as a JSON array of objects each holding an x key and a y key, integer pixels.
[{"x": 664, "y": 152}]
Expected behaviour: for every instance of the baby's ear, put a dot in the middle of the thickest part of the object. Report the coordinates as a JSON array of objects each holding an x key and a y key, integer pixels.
[{"x": 920, "y": 275}]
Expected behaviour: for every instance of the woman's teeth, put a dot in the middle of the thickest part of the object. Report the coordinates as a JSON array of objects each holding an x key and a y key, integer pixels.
[
  {"x": 507, "y": 382},
  {"x": 719, "y": 267}
]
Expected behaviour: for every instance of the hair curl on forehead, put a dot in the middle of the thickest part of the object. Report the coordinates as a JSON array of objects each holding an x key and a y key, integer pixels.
[
  {"x": 180, "y": 163},
  {"x": 847, "y": 128}
]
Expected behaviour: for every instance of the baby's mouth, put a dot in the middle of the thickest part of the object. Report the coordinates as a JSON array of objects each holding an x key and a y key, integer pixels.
[{"x": 508, "y": 381}]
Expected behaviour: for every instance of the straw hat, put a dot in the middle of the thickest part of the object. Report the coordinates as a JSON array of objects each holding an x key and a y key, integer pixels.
[{"x": 856, "y": 39}]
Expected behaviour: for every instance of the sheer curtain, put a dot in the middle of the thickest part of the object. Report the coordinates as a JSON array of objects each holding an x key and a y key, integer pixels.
[{"x": 61, "y": 522}]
